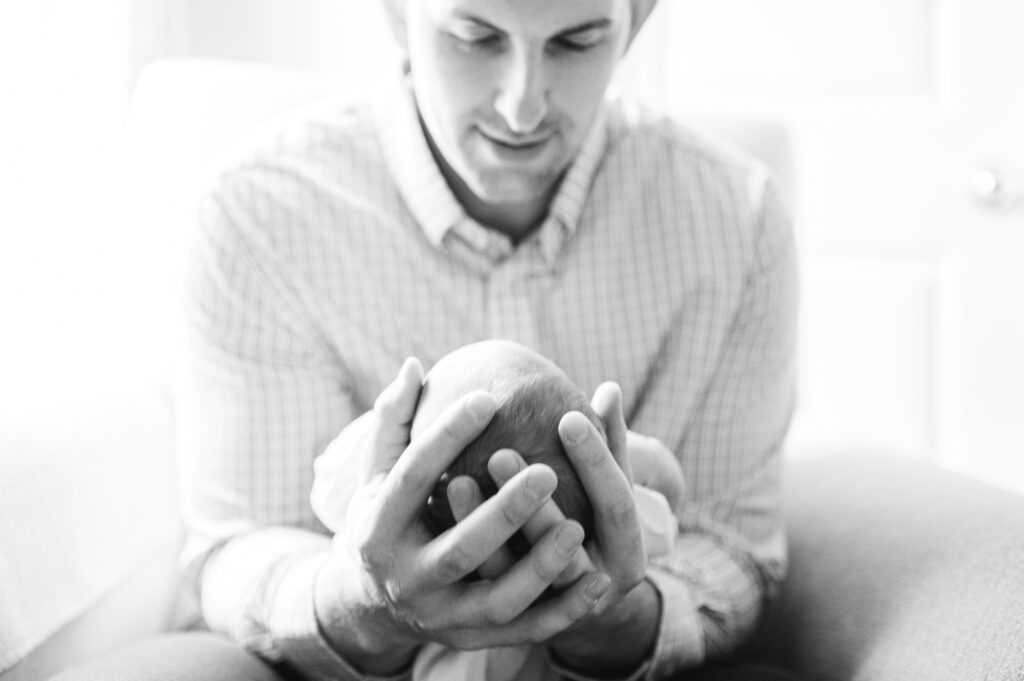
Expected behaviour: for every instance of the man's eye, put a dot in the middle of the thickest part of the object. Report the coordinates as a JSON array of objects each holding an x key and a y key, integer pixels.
[
  {"x": 580, "y": 42},
  {"x": 471, "y": 38}
]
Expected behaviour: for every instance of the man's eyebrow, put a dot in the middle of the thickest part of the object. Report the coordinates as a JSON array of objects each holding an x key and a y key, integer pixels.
[
  {"x": 594, "y": 24},
  {"x": 602, "y": 23},
  {"x": 472, "y": 18}
]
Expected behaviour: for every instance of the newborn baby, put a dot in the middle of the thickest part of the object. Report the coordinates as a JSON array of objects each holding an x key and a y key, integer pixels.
[{"x": 532, "y": 395}]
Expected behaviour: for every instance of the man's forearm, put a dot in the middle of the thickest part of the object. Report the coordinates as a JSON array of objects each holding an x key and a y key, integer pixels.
[{"x": 620, "y": 642}]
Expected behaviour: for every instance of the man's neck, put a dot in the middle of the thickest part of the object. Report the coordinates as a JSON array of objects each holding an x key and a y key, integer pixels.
[{"x": 516, "y": 220}]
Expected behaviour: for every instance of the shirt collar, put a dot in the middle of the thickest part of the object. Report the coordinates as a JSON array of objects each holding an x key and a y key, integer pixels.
[
  {"x": 419, "y": 180},
  {"x": 430, "y": 199}
]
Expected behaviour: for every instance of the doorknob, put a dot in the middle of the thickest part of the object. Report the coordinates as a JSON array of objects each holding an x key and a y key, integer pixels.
[{"x": 995, "y": 189}]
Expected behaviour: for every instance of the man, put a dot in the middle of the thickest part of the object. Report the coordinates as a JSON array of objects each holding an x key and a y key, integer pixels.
[{"x": 493, "y": 194}]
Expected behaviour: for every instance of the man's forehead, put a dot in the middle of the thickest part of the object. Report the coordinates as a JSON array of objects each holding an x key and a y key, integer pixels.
[{"x": 566, "y": 12}]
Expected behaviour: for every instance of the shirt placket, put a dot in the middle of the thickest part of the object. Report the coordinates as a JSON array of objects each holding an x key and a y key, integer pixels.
[{"x": 511, "y": 305}]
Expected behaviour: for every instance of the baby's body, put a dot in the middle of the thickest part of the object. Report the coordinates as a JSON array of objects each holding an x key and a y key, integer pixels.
[{"x": 532, "y": 395}]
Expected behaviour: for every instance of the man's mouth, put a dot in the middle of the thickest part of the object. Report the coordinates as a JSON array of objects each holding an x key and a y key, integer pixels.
[{"x": 516, "y": 143}]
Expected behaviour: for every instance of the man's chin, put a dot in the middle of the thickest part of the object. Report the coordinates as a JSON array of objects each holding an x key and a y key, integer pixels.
[{"x": 514, "y": 189}]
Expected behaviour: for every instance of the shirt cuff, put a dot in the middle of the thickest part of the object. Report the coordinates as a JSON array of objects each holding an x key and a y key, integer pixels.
[
  {"x": 297, "y": 635},
  {"x": 680, "y": 642}
]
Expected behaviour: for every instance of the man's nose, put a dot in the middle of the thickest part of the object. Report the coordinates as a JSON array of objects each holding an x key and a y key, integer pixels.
[{"x": 522, "y": 95}]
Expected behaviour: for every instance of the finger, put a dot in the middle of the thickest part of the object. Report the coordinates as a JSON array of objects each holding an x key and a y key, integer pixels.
[
  {"x": 607, "y": 402},
  {"x": 415, "y": 473},
  {"x": 464, "y": 547},
  {"x": 393, "y": 412},
  {"x": 503, "y": 466},
  {"x": 615, "y": 516},
  {"x": 506, "y": 598},
  {"x": 540, "y": 622},
  {"x": 464, "y": 497}
]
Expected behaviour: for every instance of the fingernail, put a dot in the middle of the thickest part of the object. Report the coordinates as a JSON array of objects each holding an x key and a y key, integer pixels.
[
  {"x": 504, "y": 464},
  {"x": 481, "y": 406},
  {"x": 576, "y": 430},
  {"x": 458, "y": 495},
  {"x": 569, "y": 538},
  {"x": 540, "y": 486},
  {"x": 598, "y": 587}
]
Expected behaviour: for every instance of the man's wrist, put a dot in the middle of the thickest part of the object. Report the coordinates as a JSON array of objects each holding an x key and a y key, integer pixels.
[
  {"x": 617, "y": 644},
  {"x": 352, "y": 633}
]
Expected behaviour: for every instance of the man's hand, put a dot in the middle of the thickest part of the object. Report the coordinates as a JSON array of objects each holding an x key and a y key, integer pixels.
[
  {"x": 620, "y": 631},
  {"x": 389, "y": 585}
]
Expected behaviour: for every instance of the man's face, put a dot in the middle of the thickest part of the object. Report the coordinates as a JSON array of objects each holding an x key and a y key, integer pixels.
[{"x": 508, "y": 89}]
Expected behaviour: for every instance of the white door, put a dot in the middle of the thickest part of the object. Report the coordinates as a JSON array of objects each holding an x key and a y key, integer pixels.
[{"x": 907, "y": 124}]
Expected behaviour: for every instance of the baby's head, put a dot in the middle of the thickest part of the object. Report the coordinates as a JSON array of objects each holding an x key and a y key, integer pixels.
[{"x": 532, "y": 395}]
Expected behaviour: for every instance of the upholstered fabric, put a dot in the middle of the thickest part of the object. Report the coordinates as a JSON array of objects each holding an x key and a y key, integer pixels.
[{"x": 899, "y": 572}]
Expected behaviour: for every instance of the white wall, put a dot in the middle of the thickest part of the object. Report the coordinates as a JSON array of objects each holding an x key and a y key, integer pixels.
[
  {"x": 907, "y": 342},
  {"x": 67, "y": 259}
]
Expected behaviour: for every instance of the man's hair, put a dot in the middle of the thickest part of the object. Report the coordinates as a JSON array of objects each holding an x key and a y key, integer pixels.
[{"x": 532, "y": 395}]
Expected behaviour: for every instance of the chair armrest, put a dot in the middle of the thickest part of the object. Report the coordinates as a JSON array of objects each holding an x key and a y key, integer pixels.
[
  {"x": 89, "y": 527},
  {"x": 899, "y": 570}
]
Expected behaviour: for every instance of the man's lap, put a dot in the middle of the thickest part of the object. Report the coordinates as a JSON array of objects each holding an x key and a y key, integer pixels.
[
  {"x": 176, "y": 657},
  {"x": 200, "y": 656}
]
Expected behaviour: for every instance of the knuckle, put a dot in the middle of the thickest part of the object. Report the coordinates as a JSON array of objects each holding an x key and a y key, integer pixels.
[
  {"x": 622, "y": 515},
  {"x": 371, "y": 555},
  {"x": 546, "y": 571},
  {"x": 499, "y": 613},
  {"x": 455, "y": 562},
  {"x": 577, "y": 607},
  {"x": 408, "y": 478},
  {"x": 512, "y": 515},
  {"x": 453, "y": 428},
  {"x": 427, "y": 624},
  {"x": 396, "y": 594}
]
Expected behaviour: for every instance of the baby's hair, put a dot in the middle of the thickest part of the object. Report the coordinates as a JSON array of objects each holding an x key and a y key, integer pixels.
[{"x": 532, "y": 395}]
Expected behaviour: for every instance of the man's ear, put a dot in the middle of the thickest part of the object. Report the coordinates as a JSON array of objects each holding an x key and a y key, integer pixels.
[
  {"x": 395, "y": 11},
  {"x": 641, "y": 9}
]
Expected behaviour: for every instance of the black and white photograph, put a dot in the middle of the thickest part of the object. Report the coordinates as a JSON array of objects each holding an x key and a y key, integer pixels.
[{"x": 512, "y": 340}]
